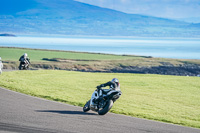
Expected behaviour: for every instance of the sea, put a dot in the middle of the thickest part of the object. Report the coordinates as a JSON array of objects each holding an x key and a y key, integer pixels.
[{"x": 177, "y": 48}]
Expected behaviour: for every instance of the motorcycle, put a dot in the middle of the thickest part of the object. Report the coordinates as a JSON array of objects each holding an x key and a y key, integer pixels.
[
  {"x": 24, "y": 65},
  {"x": 102, "y": 101},
  {"x": 1, "y": 67}
]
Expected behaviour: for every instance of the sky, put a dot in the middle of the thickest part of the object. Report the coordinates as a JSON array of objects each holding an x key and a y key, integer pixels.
[{"x": 174, "y": 9}]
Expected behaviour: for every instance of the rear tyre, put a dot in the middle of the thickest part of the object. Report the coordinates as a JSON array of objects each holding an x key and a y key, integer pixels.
[
  {"x": 106, "y": 108},
  {"x": 86, "y": 107}
]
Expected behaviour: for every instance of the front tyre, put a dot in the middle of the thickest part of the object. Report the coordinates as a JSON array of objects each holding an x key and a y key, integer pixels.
[
  {"x": 26, "y": 68},
  {"x": 106, "y": 108},
  {"x": 86, "y": 107}
]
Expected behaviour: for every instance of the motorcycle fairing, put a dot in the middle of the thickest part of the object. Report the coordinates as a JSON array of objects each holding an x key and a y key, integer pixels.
[{"x": 93, "y": 105}]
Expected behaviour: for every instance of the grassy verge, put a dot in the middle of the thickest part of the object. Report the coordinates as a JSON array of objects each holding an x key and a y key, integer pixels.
[
  {"x": 91, "y": 62},
  {"x": 13, "y": 54},
  {"x": 171, "y": 99}
]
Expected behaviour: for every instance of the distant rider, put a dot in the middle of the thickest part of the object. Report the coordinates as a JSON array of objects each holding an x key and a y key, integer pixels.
[
  {"x": 1, "y": 66},
  {"x": 24, "y": 59},
  {"x": 113, "y": 84}
]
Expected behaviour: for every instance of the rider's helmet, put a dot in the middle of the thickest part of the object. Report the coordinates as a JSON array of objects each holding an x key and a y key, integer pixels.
[
  {"x": 115, "y": 80},
  {"x": 25, "y": 55}
]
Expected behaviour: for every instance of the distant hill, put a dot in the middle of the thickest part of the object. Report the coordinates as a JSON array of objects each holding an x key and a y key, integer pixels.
[
  {"x": 5, "y": 34},
  {"x": 191, "y": 19},
  {"x": 68, "y": 17}
]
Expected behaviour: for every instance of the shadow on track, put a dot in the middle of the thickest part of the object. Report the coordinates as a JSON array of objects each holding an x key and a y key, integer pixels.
[{"x": 66, "y": 112}]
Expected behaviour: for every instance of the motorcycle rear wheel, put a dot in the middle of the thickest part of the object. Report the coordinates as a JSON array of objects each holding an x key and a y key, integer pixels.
[{"x": 106, "y": 108}]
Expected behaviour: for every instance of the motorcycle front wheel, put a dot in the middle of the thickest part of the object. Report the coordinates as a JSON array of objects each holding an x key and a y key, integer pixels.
[
  {"x": 26, "y": 68},
  {"x": 106, "y": 108},
  {"x": 86, "y": 107}
]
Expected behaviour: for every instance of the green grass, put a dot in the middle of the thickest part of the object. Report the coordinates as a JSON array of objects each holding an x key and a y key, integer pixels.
[
  {"x": 10, "y": 56},
  {"x": 172, "y": 99},
  {"x": 13, "y": 54}
]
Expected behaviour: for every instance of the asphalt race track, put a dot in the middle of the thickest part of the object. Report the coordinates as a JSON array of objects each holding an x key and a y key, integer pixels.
[{"x": 20, "y": 113}]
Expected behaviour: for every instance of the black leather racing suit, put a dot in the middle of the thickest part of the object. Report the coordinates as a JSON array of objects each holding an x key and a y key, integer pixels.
[
  {"x": 112, "y": 86},
  {"x": 22, "y": 60}
]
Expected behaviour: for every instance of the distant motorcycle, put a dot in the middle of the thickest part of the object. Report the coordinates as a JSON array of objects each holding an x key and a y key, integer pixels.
[
  {"x": 103, "y": 104},
  {"x": 1, "y": 67},
  {"x": 24, "y": 65}
]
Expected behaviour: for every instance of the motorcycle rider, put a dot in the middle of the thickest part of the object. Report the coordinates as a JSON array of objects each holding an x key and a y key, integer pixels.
[
  {"x": 23, "y": 59},
  {"x": 1, "y": 66},
  {"x": 113, "y": 84}
]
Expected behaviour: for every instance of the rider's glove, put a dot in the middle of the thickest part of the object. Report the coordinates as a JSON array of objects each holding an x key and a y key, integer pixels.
[{"x": 98, "y": 87}]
